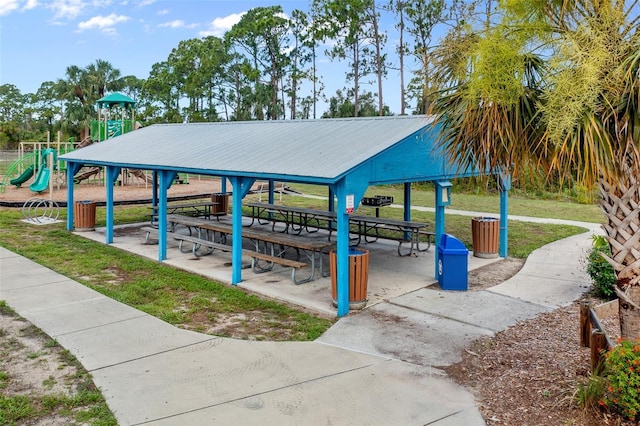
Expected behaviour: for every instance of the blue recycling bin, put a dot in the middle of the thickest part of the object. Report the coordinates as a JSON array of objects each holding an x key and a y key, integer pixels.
[{"x": 453, "y": 264}]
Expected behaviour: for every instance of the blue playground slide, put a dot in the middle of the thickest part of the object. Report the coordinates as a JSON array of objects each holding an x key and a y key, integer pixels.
[
  {"x": 42, "y": 180},
  {"x": 25, "y": 176}
]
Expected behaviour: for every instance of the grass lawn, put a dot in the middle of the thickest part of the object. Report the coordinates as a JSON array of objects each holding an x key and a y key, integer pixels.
[{"x": 175, "y": 296}]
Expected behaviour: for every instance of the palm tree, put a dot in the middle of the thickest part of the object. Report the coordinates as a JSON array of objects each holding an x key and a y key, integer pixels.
[
  {"x": 103, "y": 77},
  {"x": 575, "y": 115},
  {"x": 74, "y": 87}
]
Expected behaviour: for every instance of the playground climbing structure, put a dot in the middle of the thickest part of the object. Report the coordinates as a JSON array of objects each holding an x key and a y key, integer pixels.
[
  {"x": 116, "y": 116},
  {"x": 31, "y": 160}
]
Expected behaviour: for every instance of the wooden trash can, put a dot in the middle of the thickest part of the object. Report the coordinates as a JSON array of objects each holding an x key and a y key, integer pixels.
[
  {"x": 485, "y": 232},
  {"x": 222, "y": 198},
  {"x": 84, "y": 215},
  {"x": 358, "y": 277}
]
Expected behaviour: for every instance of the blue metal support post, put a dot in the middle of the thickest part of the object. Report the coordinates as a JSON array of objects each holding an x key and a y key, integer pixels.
[
  {"x": 342, "y": 252},
  {"x": 504, "y": 182},
  {"x": 72, "y": 169},
  {"x": 112, "y": 175},
  {"x": 241, "y": 187},
  {"x": 165, "y": 179}
]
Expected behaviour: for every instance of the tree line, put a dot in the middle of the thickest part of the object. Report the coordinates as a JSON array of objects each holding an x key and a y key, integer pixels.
[{"x": 263, "y": 68}]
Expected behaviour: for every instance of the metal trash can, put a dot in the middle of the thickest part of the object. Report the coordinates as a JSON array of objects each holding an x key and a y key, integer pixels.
[
  {"x": 485, "y": 232},
  {"x": 84, "y": 215},
  {"x": 358, "y": 277},
  {"x": 222, "y": 198},
  {"x": 453, "y": 264}
]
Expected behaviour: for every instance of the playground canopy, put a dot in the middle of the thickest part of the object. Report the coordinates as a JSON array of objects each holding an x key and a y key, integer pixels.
[
  {"x": 106, "y": 127},
  {"x": 116, "y": 99},
  {"x": 346, "y": 155}
]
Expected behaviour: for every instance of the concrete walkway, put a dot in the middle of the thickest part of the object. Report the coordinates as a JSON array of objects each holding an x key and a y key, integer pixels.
[{"x": 375, "y": 367}]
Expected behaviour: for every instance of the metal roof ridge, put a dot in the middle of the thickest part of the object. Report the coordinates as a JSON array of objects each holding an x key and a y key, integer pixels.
[{"x": 428, "y": 119}]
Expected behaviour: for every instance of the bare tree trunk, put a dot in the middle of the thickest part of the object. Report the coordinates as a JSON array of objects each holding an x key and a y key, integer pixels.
[
  {"x": 315, "y": 90},
  {"x": 356, "y": 79},
  {"x": 379, "y": 64}
]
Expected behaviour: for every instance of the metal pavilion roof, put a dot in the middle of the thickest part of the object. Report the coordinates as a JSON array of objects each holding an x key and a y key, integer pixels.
[{"x": 301, "y": 150}]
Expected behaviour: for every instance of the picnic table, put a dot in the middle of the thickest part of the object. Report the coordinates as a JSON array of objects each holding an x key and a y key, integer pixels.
[
  {"x": 269, "y": 248},
  {"x": 403, "y": 231},
  {"x": 294, "y": 219},
  {"x": 195, "y": 209},
  {"x": 369, "y": 228}
]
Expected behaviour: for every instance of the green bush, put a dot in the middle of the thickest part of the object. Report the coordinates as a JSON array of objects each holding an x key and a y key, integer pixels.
[
  {"x": 622, "y": 374},
  {"x": 600, "y": 271}
]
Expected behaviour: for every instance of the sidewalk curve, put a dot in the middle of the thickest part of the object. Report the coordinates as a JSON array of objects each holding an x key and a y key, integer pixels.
[{"x": 151, "y": 372}]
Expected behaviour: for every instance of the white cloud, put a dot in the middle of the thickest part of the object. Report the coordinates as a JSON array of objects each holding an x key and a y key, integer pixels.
[
  {"x": 8, "y": 6},
  {"x": 30, "y": 4},
  {"x": 143, "y": 3},
  {"x": 178, "y": 23},
  {"x": 104, "y": 3},
  {"x": 163, "y": 12},
  {"x": 219, "y": 26},
  {"x": 68, "y": 9},
  {"x": 105, "y": 24}
]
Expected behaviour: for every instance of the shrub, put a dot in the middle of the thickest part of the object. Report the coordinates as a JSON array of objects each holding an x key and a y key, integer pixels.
[
  {"x": 622, "y": 374},
  {"x": 600, "y": 271}
]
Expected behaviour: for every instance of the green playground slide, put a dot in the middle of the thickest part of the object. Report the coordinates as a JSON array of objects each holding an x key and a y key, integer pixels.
[
  {"x": 14, "y": 168},
  {"x": 25, "y": 176},
  {"x": 42, "y": 180}
]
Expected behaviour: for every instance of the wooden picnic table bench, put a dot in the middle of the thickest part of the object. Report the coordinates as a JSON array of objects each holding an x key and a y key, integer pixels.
[
  {"x": 295, "y": 219},
  {"x": 197, "y": 244},
  {"x": 270, "y": 247},
  {"x": 151, "y": 232},
  {"x": 402, "y": 231},
  {"x": 195, "y": 209},
  {"x": 189, "y": 222},
  {"x": 360, "y": 226},
  {"x": 276, "y": 245}
]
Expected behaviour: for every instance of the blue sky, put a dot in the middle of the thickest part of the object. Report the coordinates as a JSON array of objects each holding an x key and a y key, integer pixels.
[{"x": 39, "y": 39}]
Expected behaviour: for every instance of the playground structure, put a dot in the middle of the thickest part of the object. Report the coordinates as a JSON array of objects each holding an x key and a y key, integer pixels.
[
  {"x": 38, "y": 160},
  {"x": 116, "y": 116}
]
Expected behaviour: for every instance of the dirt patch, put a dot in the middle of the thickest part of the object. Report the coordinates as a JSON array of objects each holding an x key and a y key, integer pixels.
[
  {"x": 494, "y": 274},
  {"x": 40, "y": 382}
]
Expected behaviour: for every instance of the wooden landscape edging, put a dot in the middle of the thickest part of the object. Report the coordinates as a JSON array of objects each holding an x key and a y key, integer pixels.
[{"x": 593, "y": 334}]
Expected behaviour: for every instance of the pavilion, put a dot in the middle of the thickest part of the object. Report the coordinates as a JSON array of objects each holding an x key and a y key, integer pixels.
[{"x": 345, "y": 155}]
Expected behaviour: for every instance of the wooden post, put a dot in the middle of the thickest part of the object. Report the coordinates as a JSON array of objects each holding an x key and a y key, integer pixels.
[
  {"x": 598, "y": 345},
  {"x": 585, "y": 325}
]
